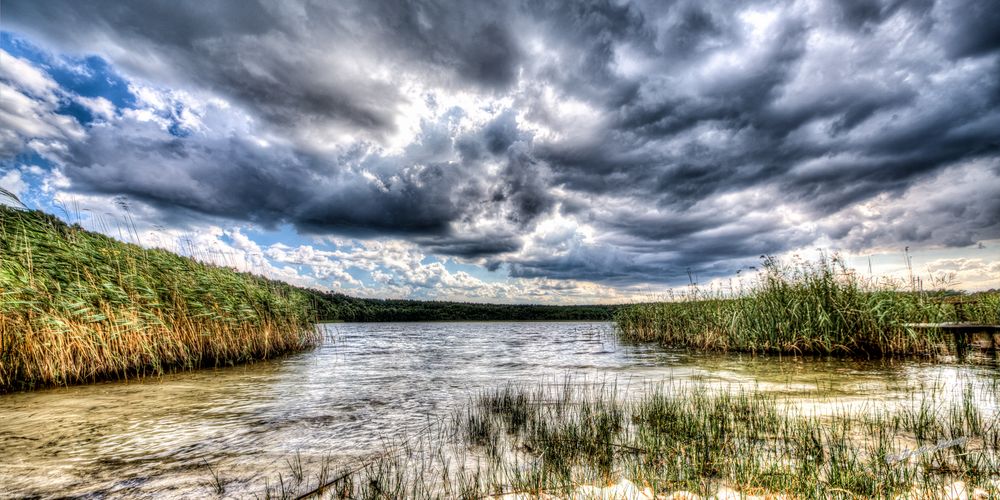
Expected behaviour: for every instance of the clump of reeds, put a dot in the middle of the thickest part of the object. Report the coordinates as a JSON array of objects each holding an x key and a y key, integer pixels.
[
  {"x": 690, "y": 438},
  {"x": 546, "y": 440},
  {"x": 76, "y": 306},
  {"x": 806, "y": 308}
]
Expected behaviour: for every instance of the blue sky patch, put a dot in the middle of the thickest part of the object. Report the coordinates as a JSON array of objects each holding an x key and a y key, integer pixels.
[{"x": 89, "y": 76}]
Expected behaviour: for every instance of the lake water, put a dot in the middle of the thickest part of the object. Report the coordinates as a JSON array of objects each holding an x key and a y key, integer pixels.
[{"x": 367, "y": 383}]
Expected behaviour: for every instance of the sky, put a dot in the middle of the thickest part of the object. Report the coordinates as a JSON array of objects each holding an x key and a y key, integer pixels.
[{"x": 522, "y": 151}]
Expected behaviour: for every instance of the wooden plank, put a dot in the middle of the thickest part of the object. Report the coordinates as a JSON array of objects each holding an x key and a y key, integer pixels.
[
  {"x": 957, "y": 327},
  {"x": 963, "y": 333}
]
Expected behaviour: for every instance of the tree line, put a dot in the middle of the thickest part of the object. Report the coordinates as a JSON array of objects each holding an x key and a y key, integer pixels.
[{"x": 333, "y": 306}]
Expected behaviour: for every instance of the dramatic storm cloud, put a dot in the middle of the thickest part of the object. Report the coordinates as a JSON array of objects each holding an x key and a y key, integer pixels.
[{"x": 512, "y": 150}]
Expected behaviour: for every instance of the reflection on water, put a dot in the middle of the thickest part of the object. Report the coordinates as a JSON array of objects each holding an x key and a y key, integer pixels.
[{"x": 367, "y": 383}]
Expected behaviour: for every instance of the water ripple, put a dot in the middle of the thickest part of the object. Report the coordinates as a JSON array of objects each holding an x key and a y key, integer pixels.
[{"x": 368, "y": 383}]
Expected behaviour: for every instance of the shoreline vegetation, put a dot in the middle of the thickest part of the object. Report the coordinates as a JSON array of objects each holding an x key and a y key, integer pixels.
[
  {"x": 333, "y": 306},
  {"x": 77, "y": 307},
  {"x": 807, "y": 308},
  {"x": 674, "y": 440}
]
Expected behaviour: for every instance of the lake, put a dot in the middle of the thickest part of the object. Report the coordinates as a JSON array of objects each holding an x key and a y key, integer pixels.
[{"x": 367, "y": 383}]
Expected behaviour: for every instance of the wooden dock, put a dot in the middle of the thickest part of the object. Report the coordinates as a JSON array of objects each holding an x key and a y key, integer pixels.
[
  {"x": 957, "y": 327},
  {"x": 963, "y": 334}
]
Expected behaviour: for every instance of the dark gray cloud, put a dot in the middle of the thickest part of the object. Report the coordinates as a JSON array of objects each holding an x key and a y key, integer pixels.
[
  {"x": 236, "y": 178},
  {"x": 292, "y": 64},
  {"x": 867, "y": 14},
  {"x": 472, "y": 246},
  {"x": 970, "y": 28},
  {"x": 686, "y": 135}
]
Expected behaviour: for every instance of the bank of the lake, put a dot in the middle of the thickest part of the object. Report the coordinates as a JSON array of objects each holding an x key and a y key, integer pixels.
[
  {"x": 77, "y": 306},
  {"x": 818, "y": 307},
  {"x": 333, "y": 306}
]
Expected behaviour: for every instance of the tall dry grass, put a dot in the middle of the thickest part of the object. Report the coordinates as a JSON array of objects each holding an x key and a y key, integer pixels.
[{"x": 77, "y": 306}]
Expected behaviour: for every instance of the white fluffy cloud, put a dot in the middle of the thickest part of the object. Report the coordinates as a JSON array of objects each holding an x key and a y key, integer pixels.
[
  {"x": 399, "y": 269},
  {"x": 29, "y": 99}
]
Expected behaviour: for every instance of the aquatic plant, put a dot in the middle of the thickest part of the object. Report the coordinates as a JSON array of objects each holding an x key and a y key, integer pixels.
[
  {"x": 77, "y": 306},
  {"x": 558, "y": 439},
  {"x": 816, "y": 307}
]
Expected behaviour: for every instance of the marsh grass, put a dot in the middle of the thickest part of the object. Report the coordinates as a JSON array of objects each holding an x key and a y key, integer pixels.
[
  {"x": 816, "y": 307},
  {"x": 681, "y": 437},
  {"x": 77, "y": 306},
  {"x": 218, "y": 484}
]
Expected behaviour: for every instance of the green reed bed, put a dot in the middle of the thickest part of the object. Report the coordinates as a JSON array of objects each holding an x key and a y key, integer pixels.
[
  {"x": 806, "y": 308},
  {"x": 552, "y": 440},
  {"x": 77, "y": 306}
]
